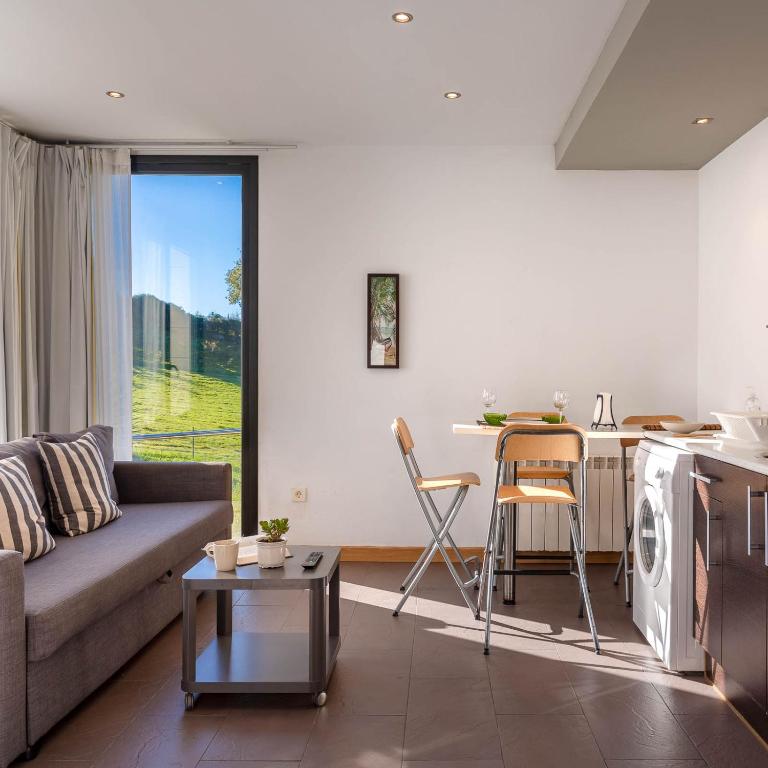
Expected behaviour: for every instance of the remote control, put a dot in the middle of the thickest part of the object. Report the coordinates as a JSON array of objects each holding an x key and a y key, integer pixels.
[{"x": 312, "y": 560}]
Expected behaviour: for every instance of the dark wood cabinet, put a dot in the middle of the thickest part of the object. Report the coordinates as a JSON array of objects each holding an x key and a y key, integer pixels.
[
  {"x": 708, "y": 571},
  {"x": 731, "y": 595}
]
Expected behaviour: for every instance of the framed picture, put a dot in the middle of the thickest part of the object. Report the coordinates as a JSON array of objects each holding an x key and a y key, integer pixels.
[{"x": 383, "y": 321}]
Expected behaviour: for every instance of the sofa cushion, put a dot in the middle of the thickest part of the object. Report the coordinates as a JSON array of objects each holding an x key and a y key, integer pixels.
[
  {"x": 77, "y": 480},
  {"x": 27, "y": 449},
  {"x": 86, "y": 577},
  {"x": 22, "y": 525},
  {"x": 103, "y": 436}
]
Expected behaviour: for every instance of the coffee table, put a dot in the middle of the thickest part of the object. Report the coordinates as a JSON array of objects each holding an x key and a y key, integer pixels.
[{"x": 263, "y": 662}]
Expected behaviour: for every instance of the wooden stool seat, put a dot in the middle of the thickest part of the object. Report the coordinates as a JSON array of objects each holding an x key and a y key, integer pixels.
[
  {"x": 442, "y": 482},
  {"x": 542, "y": 473},
  {"x": 536, "y": 494}
]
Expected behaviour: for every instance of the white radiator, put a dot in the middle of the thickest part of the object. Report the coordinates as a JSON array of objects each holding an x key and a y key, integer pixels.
[{"x": 544, "y": 527}]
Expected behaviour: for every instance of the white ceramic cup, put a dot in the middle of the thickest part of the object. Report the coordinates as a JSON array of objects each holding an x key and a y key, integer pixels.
[{"x": 225, "y": 554}]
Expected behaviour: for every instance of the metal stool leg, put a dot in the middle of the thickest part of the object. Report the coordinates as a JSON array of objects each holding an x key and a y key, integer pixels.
[
  {"x": 627, "y": 570},
  {"x": 513, "y": 553},
  {"x": 573, "y": 547},
  {"x": 486, "y": 571},
  {"x": 576, "y": 534},
  {"x": 620, "y": 566},
  {"x": 489, "y": 585},
  {"x": 439, "y": 534},
  {"x": 627, "y": 538},
  {"x": 459, "y": 557},
  {"x": 416, "y": 566},
  {"x": 471, "y": 577}
]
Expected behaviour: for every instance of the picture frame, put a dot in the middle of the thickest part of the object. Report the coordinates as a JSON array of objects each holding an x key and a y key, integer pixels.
[{"x": 383, "y": 320}]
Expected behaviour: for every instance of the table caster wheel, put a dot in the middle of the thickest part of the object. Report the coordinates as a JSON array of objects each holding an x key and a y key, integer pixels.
[
  {"x": 320, "y": 699},
  {"x": 189, "y": 701}
]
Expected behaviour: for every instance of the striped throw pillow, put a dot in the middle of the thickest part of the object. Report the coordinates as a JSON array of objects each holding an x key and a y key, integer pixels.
[
  {"x": 79, "y": 486},
  {"x": 22, "y": 526}
]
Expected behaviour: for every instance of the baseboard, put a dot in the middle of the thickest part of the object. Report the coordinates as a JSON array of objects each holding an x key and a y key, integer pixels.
[{"x": 411, "y": 554}]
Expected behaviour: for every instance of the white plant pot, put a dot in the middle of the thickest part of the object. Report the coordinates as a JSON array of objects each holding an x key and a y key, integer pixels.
[{"x": 271, "y": 554}]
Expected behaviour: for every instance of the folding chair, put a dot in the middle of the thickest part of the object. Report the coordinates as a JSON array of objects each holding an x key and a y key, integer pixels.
[
  {"x": 629, "y": 520},
  {"x": 533, "y": 442},
  {"x": 439, "y": 525}
]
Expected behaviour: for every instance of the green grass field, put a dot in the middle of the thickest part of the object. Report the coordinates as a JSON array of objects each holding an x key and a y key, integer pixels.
[{"x": 180, "y": 401}]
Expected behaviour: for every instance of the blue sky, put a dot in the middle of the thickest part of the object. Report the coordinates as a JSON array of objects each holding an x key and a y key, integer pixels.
[{"x": 186, "y": 233}]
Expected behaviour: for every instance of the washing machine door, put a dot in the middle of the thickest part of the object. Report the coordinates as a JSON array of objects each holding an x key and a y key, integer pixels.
[{"x": 650, "y": 543}]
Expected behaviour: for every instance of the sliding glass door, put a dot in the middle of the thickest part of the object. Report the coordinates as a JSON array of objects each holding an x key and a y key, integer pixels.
[{"x": 193, "y": 231}]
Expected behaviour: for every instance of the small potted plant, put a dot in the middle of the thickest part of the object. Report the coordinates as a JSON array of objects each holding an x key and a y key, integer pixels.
[{"x": 271, "y": 546}]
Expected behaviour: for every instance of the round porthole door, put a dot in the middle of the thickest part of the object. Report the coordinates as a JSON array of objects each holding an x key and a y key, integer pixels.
[{"x": 649, "y": 536}]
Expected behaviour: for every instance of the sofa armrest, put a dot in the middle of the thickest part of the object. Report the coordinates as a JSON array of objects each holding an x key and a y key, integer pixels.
[
  {"x": 13, "y": 658},
  {"x": 158, "y": 482}
]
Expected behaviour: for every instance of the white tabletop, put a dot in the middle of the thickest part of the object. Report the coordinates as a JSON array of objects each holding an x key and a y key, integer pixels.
[
  {"x": 740, "y": 453},
  {"x": 473, "y": 428}
]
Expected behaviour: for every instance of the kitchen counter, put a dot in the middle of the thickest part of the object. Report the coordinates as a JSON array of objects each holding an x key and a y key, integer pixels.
[{"x": 745, "y": 455}]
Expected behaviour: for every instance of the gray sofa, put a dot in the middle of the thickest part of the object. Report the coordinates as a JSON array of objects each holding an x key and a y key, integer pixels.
[{"x": 71, "y": 619}]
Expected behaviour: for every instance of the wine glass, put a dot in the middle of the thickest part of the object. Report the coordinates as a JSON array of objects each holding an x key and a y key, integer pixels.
[
  {"x": 489, "y": 399},
  {"x": 752, "y": 405},
  {"x": 560, "y": 401}
]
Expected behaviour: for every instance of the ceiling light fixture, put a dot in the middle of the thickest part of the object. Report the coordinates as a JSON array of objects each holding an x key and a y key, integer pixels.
[
  {"x": 115, "y": 94},
  {"x": 703, "y": 120},
  {"x": 452, "y": 95},
  {"x": 401, "y": 17}
]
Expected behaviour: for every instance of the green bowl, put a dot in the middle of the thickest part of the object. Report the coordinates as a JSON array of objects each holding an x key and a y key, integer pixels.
[
  {"x": 551, "y": 419},
  {"x": 494, "y": 419}
]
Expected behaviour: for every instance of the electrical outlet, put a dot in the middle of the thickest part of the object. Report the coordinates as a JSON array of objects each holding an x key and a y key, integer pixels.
[{"x": 299, "y": 495}]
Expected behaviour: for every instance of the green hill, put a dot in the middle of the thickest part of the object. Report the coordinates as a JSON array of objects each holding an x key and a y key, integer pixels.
[
  {"x": 182, "y": 401},
  {"x": 186, "y": 377}
]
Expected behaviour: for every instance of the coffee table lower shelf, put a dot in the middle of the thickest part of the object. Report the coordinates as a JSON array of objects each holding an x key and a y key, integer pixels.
[{"x": 259, "y": 662}]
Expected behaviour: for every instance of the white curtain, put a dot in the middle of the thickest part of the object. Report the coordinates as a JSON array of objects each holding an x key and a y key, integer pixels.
[
  {"x": 77, "y": 250},
  {"x": 18, "y": 356}
]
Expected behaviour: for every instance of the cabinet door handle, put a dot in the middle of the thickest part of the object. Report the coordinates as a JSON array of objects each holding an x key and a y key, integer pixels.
[
  {"x": 707, "y": 563},
  {"x": 709, "y": 519},
  {"x": 754, "y": 495},
  {"x": 765, "y": 523},
  {"x": 708, "y": 479}
]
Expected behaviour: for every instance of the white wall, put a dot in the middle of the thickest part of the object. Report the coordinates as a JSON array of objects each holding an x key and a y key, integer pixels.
[
  {"x": 513, "y": 275},
  {"x": 733, "y": 274}
]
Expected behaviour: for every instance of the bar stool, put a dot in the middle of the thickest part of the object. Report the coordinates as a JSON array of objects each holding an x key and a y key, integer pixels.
[
  {"x": 539, "y": 473},
  {"x": 439, "y": 525},
  {"x": 533, "y": 442},
  {"x": 629, "y": 522}
]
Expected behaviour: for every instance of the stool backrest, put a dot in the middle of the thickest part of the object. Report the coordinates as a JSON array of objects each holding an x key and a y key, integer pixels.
[
  {"x": 403, "y": 435},
  {"x": 532, "y": 415},
  {"x": 542, "y": 442},
  {"x": 631, "y": 442}
]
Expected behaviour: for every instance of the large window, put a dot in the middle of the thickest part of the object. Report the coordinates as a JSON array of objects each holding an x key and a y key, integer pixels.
[{"x": 192, "y": 247}]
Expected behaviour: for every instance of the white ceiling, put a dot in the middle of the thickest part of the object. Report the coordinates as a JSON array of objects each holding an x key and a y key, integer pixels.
[{"x": 298, "y": 71}]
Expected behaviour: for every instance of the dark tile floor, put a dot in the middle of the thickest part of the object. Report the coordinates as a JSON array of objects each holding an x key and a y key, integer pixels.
[{"x": 416, "y": 691}]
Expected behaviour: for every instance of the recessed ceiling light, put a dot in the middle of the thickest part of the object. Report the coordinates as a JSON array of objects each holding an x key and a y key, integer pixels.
[
  {"x": 703, "y": 120},
  {"x": 115, "y": 95},
  {"x": 401, "y": 17},
  {"x": 452, "y": 95}
]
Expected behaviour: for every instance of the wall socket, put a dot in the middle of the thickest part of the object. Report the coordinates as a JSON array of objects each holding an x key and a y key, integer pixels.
[{"x": 299, "y": 495}]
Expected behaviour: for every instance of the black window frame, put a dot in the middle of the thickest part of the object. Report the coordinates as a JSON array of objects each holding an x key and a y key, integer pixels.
[{"x": 247, "y": 167}]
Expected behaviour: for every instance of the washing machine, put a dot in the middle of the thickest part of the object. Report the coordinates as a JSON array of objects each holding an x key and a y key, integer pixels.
[{"x": 663, "y": 588}]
